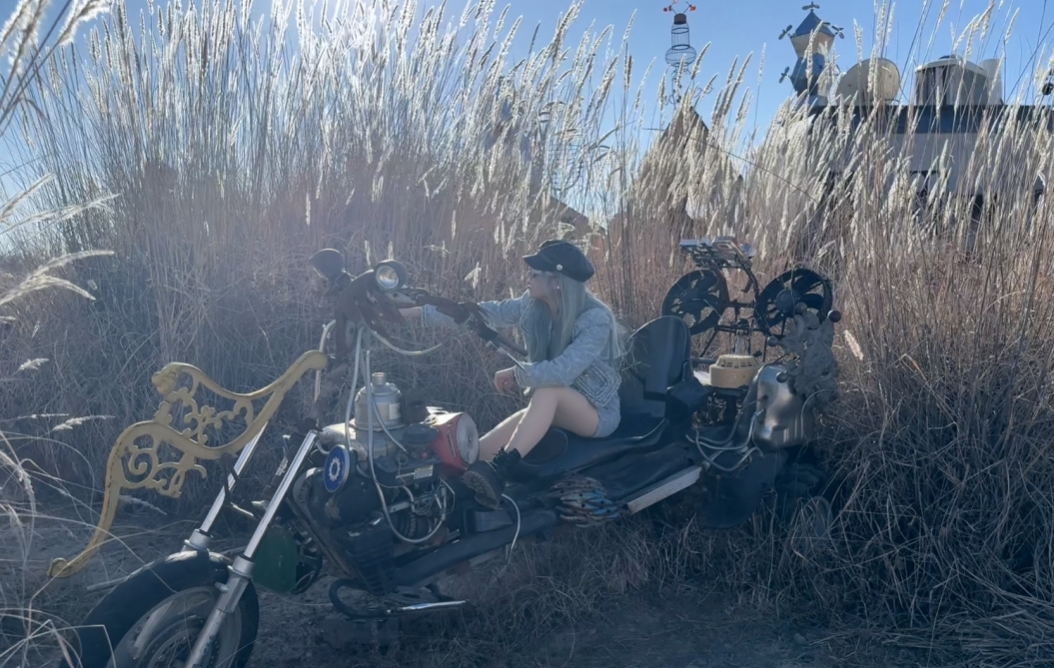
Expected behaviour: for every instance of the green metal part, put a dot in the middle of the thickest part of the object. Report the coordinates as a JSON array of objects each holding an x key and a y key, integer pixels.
[{"x": 275, "y": 561}]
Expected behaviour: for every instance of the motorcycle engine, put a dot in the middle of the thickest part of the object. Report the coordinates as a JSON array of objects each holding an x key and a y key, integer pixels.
[{"x": 409, "y": 464}]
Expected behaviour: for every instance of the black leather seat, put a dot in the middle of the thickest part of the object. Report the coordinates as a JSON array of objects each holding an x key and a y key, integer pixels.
[{"x": 657, "y": 357}]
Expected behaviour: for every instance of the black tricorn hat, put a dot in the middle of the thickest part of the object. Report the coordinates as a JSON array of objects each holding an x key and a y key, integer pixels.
[{"x": 561, "y": 257}]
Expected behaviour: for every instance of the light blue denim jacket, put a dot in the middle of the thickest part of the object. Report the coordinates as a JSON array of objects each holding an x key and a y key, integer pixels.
[{"x": 583, "y": 365}]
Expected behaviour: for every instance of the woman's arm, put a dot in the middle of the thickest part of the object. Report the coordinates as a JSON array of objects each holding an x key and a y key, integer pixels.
[
  {"x": 587, "y": 346},
  {"x": 499, "y": 313}
]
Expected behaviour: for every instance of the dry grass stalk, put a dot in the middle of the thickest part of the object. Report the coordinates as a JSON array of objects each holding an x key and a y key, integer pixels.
[{"x": 229, "y": 161}]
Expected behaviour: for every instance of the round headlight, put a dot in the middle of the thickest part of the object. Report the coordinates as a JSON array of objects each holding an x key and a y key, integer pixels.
[
  {"x": 467, "y": 439},
  {"x": 389, "y": 276}
]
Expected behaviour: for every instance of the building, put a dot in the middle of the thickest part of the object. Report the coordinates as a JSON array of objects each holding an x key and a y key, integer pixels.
[
  {"x": 949, "y": 128},
  {"x": 949, "y": 131}
]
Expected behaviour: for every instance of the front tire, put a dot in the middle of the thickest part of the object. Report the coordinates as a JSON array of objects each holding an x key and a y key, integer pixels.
[{"x": 152, "y": 619}]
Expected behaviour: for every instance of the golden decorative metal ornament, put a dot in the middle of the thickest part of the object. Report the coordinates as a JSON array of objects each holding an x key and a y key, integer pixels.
[{"x": 144, "y": 464}]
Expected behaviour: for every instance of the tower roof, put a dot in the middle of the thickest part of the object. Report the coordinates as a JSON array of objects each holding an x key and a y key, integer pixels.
[{"x": 810, "y": 23}]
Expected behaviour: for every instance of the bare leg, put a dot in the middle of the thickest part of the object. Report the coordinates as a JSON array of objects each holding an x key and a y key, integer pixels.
[
  {"x": 498, "y": 437},
  {"x": 560, "y": 406}
]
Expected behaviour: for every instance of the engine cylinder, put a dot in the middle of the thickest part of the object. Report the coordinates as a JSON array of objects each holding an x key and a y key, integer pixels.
[{"x": 387, "y": 400}]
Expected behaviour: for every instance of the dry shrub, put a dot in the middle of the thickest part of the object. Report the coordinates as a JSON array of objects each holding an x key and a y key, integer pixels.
[
  {"x": 941, "y": 448},
  {"x": 229, "y": 161}
]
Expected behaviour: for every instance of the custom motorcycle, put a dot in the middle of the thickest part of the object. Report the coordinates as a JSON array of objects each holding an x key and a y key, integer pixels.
[{"x": 374, "y": 499}]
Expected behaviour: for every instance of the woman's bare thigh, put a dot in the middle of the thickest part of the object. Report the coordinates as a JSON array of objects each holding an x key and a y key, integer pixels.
[{"x": 574, "y": 412}]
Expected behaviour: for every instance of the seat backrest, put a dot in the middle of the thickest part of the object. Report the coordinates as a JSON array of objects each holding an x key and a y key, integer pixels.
[{"x": 657, "y": 355}]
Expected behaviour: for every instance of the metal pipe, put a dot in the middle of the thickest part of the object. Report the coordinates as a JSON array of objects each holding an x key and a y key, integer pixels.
[
  {"x": 279, "y": 495},
  {"x": 421, "y": 607},
  {"x": 240, "y": 574},
  {"x": 217, "y": 504},
  {"x": 452, "y": 554},
  {"x": 322, "y": 348},
  {"x": 242, "y": 568}
]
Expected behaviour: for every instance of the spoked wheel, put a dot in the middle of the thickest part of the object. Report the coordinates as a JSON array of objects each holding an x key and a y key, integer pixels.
[
  {"x": 699, "y": 298},
  {"x": 153, "y": 619},
  {"x": 776, "y": 303}
]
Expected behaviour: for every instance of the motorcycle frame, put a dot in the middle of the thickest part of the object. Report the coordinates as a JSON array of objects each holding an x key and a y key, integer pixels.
[{"x": 241, "y": 569}]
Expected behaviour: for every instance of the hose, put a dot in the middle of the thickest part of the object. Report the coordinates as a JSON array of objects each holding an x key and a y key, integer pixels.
[{"x": 373, "y": 471}]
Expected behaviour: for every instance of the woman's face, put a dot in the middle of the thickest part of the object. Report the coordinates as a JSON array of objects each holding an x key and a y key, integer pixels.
[{"x": 541, "y": 285}]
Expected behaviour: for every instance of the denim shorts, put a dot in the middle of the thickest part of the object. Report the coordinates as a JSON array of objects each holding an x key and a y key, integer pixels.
[{"x": 610, "y": 416}]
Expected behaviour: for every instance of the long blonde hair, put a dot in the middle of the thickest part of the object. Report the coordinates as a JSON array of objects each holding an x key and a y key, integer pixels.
[{"x": 546, "y": 339}]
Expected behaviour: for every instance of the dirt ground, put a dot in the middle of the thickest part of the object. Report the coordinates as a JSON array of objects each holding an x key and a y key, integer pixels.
[
  {"x": 637, "y": 631},
  {"x": 687, "y": 628}
]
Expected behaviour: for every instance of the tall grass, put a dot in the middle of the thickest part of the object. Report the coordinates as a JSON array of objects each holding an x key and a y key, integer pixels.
[
  {"x": 942, "y": 446},
  {"x": 29, "y": 37},
  {"x": 231, "y": 150}
]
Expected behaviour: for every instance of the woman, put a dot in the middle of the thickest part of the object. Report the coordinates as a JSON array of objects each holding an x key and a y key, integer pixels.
[{"x": 573, "y": 344}]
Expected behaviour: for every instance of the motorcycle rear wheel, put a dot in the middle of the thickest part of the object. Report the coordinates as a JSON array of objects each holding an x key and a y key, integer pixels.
[{"x": 152, "y": 619}]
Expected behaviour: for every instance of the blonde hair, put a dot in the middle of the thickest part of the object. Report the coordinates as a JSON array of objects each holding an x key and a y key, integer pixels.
[{"x": 547, "y": 338}]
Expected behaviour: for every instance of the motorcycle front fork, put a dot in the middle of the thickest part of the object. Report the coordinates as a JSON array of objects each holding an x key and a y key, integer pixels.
[{"x": 242, "y": 568}]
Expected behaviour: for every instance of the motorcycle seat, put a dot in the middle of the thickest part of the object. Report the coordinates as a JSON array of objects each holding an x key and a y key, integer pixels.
[{"x": 561, "y": 451}]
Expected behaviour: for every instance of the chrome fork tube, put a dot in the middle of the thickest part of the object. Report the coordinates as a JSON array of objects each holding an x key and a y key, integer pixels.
[
  {"x": 199, "y": 538},
  {"x": 241, "y": 569},
  {"x": 279, "y": 495}
]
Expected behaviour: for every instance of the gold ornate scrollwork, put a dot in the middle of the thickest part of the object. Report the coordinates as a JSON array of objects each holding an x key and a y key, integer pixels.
[{"x": 136, "y": 459}]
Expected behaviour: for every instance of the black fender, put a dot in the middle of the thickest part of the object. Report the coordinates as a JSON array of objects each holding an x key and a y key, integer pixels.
[{"x": 126, "y": 603}]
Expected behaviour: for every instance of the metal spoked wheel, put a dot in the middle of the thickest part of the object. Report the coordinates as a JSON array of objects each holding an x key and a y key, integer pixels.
[
  {"x": 164, "y": 636},
  {"x": 153, "y": 619}
]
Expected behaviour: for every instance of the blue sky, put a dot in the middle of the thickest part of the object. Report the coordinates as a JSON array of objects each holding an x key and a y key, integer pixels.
[{"x": 740, "y": 28}]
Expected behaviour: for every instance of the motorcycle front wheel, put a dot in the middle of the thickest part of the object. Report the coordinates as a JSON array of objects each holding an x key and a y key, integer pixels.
[{"x": 153, "y": 619}]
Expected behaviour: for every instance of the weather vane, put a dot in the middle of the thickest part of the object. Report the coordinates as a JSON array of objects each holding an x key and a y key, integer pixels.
[{"x": 670, "y": 7}]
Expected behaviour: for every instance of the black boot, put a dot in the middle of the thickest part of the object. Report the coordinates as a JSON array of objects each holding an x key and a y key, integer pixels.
[{"x": 487, "y": 479}]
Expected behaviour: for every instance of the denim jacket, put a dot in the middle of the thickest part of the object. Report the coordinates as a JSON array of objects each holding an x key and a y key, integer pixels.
[{"x": 583, "y": 365}]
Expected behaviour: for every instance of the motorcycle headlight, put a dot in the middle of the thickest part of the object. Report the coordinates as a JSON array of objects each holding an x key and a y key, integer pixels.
[
  {"x": 389, "y": 275},
  {"x": 467, "y": 439}
]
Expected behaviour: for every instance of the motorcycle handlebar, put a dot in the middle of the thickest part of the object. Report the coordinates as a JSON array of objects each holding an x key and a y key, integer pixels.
[
  {"x": 471, "y": 313},
  {"x": 492, "y": 336},
  {"x": 375, "y": 296}
]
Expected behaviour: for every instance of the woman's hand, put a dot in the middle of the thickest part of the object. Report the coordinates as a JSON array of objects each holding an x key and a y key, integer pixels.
[
  {"x": 459, "y": 312},
  {"x": 505, "y": 380}
]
